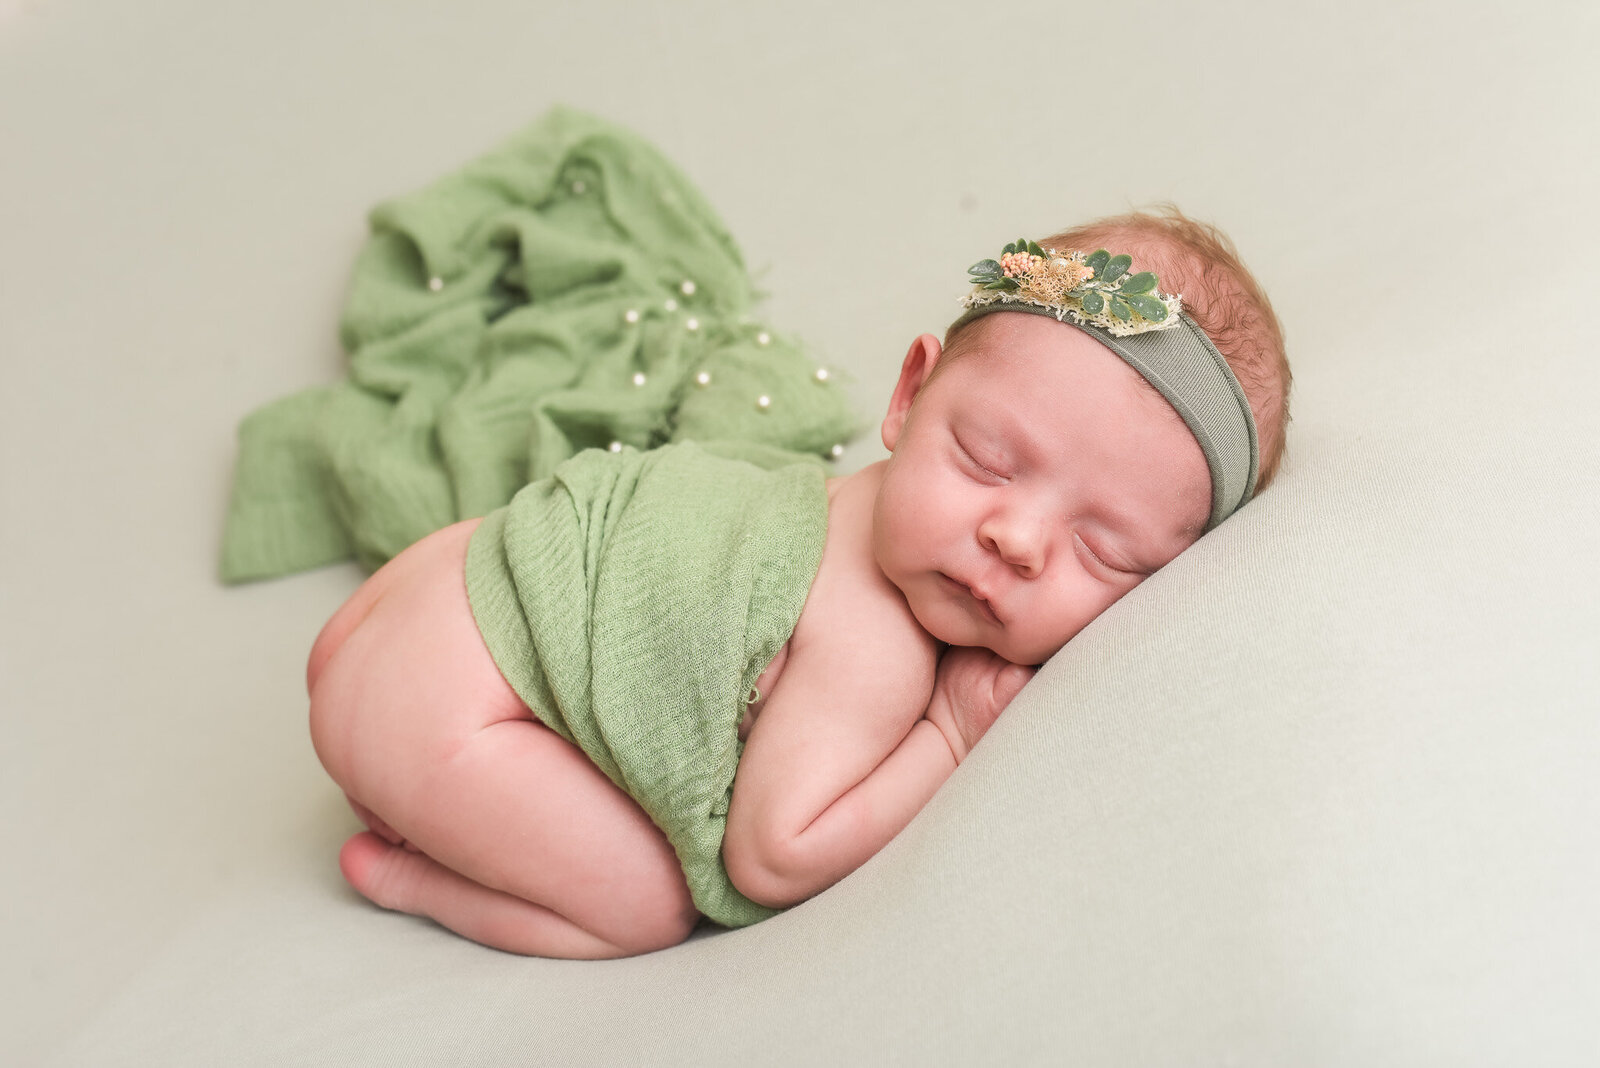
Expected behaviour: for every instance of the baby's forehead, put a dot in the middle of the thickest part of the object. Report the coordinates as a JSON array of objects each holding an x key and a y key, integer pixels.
[
  {"x": 1026, "y": 353},
  {"x": 1058, "y": 399}
]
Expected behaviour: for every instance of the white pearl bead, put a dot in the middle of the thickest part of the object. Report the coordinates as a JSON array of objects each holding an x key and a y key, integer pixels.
[
  {"x": 692, "y": 324},
  {"x": 763, "y": 337},
  {"x": 763, "y": 402},
  {"x": 632, "y": 315},
  {"x": 822, "y": 374},
  {"x": 670, "y": 305},
  {"x": 616, "y": 446},
  {"x": 638, "y": 378},
  {"x": 687, "y": 288},
  {"x": 836, "y": 452},
  {"x": 578, "y": 187},
  {"x": 702, "y": 379},
  {"x": 436, "y": 283}
]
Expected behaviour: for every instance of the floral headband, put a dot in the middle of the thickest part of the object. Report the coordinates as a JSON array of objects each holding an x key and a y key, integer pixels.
[
  {"x": 1095, "y": 290},
  {"x": 1149, "y": 331}
]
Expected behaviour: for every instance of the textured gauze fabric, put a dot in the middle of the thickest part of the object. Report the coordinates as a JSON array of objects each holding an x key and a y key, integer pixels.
[
  {"x": 632, "y": 599},
  {"x": 568, "y": 289}
]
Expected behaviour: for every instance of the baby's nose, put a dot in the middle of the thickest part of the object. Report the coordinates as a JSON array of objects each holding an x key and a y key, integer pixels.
[{"x": 1016, "y": 541}]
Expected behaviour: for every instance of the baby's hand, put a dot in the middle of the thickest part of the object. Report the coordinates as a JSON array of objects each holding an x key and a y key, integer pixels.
[{"x": 970, "y": 690}]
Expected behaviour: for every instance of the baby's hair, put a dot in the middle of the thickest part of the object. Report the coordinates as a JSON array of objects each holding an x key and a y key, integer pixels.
[{"x": 1199, "y": 261}]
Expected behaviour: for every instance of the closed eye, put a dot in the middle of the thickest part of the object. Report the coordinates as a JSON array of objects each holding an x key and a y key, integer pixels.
[
  {"x": 978, "y": 465},
  {"x": 1098, "y": 559}
]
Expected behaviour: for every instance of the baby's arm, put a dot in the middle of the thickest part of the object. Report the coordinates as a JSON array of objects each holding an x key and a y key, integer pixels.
[{"x": 845, "y": 753}]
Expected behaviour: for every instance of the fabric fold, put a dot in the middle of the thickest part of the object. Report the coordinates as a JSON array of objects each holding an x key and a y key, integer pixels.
[
  {"x": 569, "y": 289},
  {"x": 632, "y": 599}
]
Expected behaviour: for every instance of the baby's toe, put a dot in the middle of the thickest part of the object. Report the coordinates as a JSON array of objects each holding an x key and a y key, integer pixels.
[{"x": 385, "y": 874}]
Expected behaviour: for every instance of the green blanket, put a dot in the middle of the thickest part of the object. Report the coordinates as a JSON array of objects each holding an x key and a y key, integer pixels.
[
  {"x": 631, "y": 600},
  {"x": 497, "y": 323}
]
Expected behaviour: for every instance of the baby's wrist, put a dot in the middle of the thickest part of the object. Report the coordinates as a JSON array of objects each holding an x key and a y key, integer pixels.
[{"x": 942, "y": 719}]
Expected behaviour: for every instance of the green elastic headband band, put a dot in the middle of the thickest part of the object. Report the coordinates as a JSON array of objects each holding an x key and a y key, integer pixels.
[{"x": 1185, "y": 367}]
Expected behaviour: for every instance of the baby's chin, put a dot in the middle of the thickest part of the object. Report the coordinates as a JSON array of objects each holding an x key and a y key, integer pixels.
[
  {"x": 1035, "y": 652},
  {"x": 941, "y": 621},
  {"x": 1030, "y": 657},
  {"x": 947, "y": 623},
  {"x": 997, "y": 639}
]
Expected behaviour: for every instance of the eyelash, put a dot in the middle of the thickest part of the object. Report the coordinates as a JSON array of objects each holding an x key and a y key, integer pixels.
[
  {"x": 979, "y": 464},
  {"x": 1097, "y": 558},
  {"x": 1101, "y": 561}
]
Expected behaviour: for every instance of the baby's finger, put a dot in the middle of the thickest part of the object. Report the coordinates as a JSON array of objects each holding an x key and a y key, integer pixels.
[{"x": 1009, "y": 681}]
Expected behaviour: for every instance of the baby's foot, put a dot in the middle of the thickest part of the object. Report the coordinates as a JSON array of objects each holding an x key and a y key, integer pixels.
[{"x": 405, "y": 880}]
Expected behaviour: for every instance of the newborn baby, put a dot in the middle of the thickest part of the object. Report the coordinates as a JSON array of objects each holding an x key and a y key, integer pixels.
[{"x": 1039, "y": 470}]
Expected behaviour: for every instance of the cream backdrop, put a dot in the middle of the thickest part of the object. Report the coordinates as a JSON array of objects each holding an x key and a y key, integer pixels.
[{"x": 1319, "y": 793}]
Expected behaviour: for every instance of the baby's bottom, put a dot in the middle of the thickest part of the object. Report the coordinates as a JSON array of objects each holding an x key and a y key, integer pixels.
[{"x": 482, "y": 818}]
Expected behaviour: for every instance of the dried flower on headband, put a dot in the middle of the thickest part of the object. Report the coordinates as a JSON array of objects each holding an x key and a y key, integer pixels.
[{"x": 1095, "y": 290}]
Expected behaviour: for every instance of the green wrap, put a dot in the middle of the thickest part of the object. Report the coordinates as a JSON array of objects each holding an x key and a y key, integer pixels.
[
  {"x": 495, "y": 325},
  {"x": 632, "y": 599}
]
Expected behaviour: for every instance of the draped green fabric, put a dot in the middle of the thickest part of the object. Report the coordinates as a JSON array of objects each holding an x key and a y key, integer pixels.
[
  {"x": 497, "y": 323},
  {"x": 632, "y": 599}
]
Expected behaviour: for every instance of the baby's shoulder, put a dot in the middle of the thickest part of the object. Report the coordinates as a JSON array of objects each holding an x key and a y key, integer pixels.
[{"x": 853, "y": 611}]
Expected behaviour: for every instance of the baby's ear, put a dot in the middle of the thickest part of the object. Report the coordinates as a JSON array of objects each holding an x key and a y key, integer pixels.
[{"x": 914, "y": 372}]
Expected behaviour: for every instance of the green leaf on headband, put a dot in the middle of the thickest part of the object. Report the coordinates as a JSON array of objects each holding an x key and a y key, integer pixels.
[
  {"x": 1120, "y": 309},
  {"x": 1143, "y": 282},
  {"x": 1114, "y": 268},
  {"x": 1022, "y": 244},
  {"x": 1035, "y": 250},
  {"x": 1097, "y": 261},
  {"x": 1009, "y": 249},
  {"x": 1008, "y": 285},
  {"x": 985, "y": 269},
  {"x": 1093, "y": 302},
  {"x": 1148, "y": 306}
]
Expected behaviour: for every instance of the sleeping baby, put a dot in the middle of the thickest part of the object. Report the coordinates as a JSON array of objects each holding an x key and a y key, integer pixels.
[{"x": 672, "y": 684}]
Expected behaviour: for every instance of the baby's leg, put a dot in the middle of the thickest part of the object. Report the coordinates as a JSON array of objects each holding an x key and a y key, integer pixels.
[
  {"x": 405, "y": 880},
  {"x": 525, "y": 844},
  {"x": 573, "y": 886},
  {"x": 393, "y": 873}
]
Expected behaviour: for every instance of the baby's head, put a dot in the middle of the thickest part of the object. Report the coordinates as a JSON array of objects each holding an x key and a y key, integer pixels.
[{"x": 1036, "y": 475}]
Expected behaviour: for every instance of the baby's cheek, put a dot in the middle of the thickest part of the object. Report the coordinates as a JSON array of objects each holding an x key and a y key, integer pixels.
[
  {"x": 1057, "y": 616},
  {"x": 891, "y": 553}
]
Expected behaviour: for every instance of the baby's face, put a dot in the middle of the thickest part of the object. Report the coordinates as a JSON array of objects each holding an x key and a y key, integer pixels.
[{"x": 1032, "y": 483}]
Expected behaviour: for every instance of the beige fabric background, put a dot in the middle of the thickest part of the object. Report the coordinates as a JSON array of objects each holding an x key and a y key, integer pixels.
[{"x": 1322, "y": 792}]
